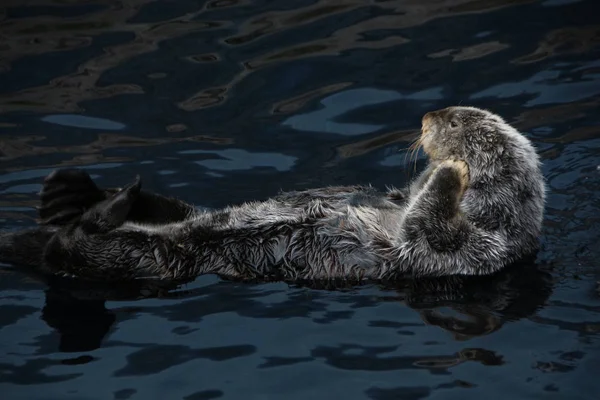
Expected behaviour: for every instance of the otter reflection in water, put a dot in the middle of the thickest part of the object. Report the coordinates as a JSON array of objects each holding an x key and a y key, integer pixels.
[
  {"x": 476, "y": 208},
  {"x": 482, "y": 304}
]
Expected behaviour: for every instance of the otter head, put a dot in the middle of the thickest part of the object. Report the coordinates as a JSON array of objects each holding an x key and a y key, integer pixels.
[
  {"x": 506, "y": 184},
  {"x": 470, "y": 134}
]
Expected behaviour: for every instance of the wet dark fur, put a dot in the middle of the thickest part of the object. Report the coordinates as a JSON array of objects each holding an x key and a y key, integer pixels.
[{"x": 469, "y": 217}]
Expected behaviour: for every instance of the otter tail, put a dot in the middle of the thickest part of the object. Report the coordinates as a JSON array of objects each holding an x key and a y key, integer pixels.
[{"x": 26, "y": 247}]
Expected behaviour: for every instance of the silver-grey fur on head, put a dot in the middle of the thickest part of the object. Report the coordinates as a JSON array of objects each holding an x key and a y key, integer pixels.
[{"x": 477, "y": 207}]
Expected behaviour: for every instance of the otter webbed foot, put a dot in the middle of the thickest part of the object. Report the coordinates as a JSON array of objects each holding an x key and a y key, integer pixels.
[
  {"x": 66, "y": 194},
  {"x": 112, "y": 212}
]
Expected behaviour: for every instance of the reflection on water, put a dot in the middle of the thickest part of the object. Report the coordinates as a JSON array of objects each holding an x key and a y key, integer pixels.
[{"x": 225, "y": 101}]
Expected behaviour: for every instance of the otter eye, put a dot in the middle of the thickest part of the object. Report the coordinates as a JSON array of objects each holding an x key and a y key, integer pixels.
[{"x": 453, "y": 123}]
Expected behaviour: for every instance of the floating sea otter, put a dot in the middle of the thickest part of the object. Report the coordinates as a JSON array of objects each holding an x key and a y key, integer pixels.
[{"x": 476, "y": 208}]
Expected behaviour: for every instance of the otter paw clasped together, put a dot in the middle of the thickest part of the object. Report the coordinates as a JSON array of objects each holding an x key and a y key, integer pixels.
[
  {"x": 477, "y": 207},
  {"x": 462, "y": 168},
  {"x": 453, "y": 176}
]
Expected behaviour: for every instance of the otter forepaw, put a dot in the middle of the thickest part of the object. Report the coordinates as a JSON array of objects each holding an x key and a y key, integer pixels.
[
  {"x": 112, "y": 212},
  {"x": 451, "y": 177},
  {"x": 462, "y": 169}
]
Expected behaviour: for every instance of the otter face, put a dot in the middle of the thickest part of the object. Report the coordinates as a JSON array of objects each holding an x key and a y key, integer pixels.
[{"x": 465, "y": 133}]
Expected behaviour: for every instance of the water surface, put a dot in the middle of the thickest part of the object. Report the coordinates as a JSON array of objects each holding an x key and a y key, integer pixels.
[{"x": 224, "y": 101}]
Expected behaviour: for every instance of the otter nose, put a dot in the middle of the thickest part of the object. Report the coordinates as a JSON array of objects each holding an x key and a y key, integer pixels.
[
  {"x": 429, "y": 117},
  {"x": 426, "y": 118}
]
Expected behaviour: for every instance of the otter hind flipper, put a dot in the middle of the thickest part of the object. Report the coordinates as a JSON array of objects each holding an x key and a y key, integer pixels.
[
  {"x": 112, "y": 212},
  {"x": 66, "y": 194},
  {"x": 69, "y": 192}
]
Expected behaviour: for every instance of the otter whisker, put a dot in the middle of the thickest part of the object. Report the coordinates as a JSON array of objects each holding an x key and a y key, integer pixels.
[
  {"x": 415, "y": 152},
  {"x": 414, "y": 146},
  {"x": 407, "y": 150}
]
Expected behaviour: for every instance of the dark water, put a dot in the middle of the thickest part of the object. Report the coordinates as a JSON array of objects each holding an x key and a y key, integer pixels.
[{"x": 224, "y": 101}]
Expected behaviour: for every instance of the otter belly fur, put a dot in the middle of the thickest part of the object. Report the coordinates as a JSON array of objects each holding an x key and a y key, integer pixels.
[{"x": 477, "y": 207}]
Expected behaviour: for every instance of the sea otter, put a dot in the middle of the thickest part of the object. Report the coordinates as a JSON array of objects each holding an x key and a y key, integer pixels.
[{"x": 477, "y": 207}]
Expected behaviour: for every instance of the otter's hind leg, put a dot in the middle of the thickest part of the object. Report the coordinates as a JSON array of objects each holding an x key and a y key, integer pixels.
[
  {"x": 112, "y": 212},
  {"x": 68, "y": 193},
  {"x": 94, "y": 248},
  {"x": 439, "y": 239}
]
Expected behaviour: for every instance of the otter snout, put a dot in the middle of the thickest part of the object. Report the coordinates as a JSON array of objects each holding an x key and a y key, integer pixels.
[
  {"x": 431, "y": 118},
  {"x": 429, "y": 121},
  {"x": 426, "y": 123},
  {"x": 431, "y": 126}
]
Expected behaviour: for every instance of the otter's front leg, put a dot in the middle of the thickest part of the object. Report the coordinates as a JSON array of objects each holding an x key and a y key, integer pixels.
[
  {"x": 441, "y": 194},
  {"x": 438, "y": 238},
  {"x": 67, "y": 193}
]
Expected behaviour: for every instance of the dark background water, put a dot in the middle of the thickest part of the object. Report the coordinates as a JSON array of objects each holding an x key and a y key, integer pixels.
[{"x": 225, "y": 101}]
